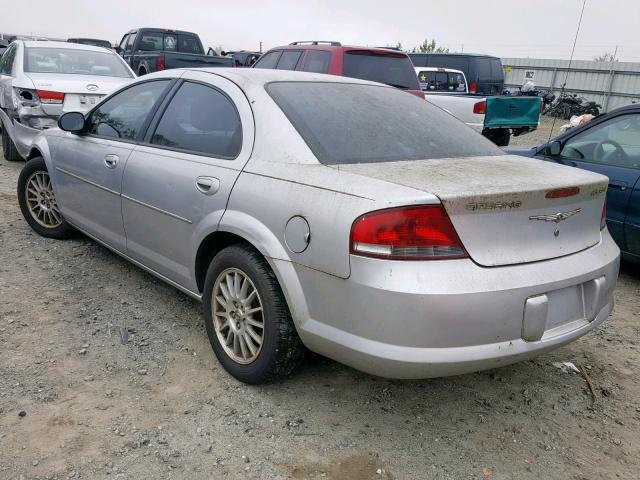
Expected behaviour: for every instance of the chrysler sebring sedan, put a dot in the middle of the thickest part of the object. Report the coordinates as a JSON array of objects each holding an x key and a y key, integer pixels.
[
  {"x": 340, "y": 215},
  {"x": 41, "y": 80}
]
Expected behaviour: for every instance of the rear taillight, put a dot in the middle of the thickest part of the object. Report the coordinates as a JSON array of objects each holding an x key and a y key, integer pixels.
[
  {"x": 541, "y": 106},
  {"x": 160, "y": 63},
  {"x": 480, "y": 107},
  {"x": 603, "y": 217},
  {"x": 473, "y": 87},
  {"x": 422, "y": 232},
  {"x": 47, "y": 96}
]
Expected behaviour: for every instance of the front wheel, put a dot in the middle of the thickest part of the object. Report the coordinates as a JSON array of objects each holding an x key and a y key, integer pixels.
[
  {"x": 247, "y": 319},
  {"x": 38, "y": 202}
]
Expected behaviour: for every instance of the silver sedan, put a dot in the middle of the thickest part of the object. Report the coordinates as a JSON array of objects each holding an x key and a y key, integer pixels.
[
  {"x": 41, "y": 80},
  {"x": 335, "y": 214}
]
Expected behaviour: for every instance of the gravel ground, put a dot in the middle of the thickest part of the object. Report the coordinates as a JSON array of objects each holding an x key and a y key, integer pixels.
[
  {"x": 541, "y": 134},
  {"x": 77, "y": 402}
]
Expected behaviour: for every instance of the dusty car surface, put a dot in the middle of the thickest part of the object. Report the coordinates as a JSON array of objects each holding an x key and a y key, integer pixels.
[
  {"x": 41, "y": 80},
  {"x": 332, "y": 213}
]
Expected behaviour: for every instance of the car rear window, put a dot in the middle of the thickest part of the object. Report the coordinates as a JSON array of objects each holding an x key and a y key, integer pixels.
[
  {"x": 352, "y": 123},
  {"x": 394, "y": 70},
  {"x": 74, "y": 61}
]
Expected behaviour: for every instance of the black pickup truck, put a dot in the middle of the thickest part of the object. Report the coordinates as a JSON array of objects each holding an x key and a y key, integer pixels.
[{"x": 148, "y": 50}]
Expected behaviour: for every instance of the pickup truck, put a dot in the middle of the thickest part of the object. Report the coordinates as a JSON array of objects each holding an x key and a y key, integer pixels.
[
  {"x": 148, "y": 50},
  {"x": 496, "y": 117}
]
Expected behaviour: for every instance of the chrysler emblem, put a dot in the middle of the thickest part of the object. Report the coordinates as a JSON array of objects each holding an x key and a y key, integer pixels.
[
  {"x": 555, "y": 217},
  {"x": 92, "y": 87}
]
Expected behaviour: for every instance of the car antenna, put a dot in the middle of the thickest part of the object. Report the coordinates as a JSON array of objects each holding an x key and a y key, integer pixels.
[{"x": 566, "y": 75}]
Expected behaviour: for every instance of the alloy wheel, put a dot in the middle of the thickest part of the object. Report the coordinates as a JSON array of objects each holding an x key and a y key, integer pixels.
[
  {"x": 238, "y": 315},
  {"x": 41, "y": 201}
]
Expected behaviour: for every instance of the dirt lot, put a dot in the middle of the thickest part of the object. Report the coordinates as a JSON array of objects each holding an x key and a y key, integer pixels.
[
  {"x": 541, "y": 135},
  {"x": 160, "y": 407}
]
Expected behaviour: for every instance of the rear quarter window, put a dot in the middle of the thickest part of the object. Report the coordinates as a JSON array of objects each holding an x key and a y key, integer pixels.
[{"x": 352, "y": 123}]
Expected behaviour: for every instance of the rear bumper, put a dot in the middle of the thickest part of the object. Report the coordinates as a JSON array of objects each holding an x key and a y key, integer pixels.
[
  {"x": 431, "y": 319},
  {"x": 21, "y": 135}
]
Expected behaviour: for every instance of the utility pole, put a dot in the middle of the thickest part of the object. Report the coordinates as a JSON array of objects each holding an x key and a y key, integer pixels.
[{"x": 260, "y": 46}]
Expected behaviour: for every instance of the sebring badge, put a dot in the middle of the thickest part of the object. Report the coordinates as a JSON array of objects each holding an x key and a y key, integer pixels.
[
  {"x": 92, "y": 87},
  {"x": 555, "y": 217}
]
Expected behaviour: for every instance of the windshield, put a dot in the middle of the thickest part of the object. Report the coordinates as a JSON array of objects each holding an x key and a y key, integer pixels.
[
  {"x": 74, "y": 61},
  {"x": 394, "y": 70},
  {"x": 351, "y": 123}
]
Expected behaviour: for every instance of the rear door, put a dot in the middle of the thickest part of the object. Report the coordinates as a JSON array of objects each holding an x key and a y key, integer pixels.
[
  {"x": 178, "y": 180},
  {"x": 89, "y": 167},
  {"x": 612, "y": 148}
]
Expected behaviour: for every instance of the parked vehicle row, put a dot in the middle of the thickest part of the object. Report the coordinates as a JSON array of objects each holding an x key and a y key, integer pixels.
[
  {"x": 495, "y": 117},
  {"x": 495, "y": 258}
]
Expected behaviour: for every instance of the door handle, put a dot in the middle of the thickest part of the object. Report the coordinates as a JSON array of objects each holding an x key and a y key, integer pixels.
[
  {"x": 111, "y": 161},
  {"x": 207, "y": 185},
  {"x": 618, "y": 186}
]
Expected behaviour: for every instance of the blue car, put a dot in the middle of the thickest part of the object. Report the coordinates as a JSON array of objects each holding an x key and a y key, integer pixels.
[{"x": 610, "y": 145}]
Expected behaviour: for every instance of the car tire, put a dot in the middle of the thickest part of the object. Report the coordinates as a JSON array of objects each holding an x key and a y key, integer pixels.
[
  {"x": 9, "y": 150},
  {"x": 37, "y": 201},
  {"x": 280, "y": 349},
  {"x": 500, "y": 136}
]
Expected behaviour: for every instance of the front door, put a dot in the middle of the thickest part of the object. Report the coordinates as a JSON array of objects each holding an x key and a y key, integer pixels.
[
  {"x": 181, "y": 177},
  {"x": 89, "y": 167},
  {"x": 611, "y": 148}
]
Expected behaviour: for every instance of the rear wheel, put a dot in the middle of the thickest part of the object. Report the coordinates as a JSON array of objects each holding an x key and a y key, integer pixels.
[
  {"x": 499, "y": 136},
  {"x": 247, "y": 319},
  {"x": 9, "y": 150},
  {"x": 38, "y": 202}
]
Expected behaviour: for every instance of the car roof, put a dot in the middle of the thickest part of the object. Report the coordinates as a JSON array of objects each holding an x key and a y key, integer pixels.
[
  {"x": 67, "y": 45},
  {"x": 438, "y": 69},
  {"x": 253, "y": 76},
  {"x": 328, "y": 46},
  {"x": 479, "y": 55},
  {"x": 159, "y": 30}
]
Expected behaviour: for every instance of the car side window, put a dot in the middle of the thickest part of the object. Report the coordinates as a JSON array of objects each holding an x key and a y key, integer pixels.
[
  {"x": 289, "y": 59},
  {"x": 130, "y": 41},
  {"x": 6, "y": 61},
  {"x": 123, "y": 42},
  {"x": 614, "y": 142},
  {"x": 268, "y": 60},
  {"x": 317, "y": 61},
  {"x": 124, "y": 114},
  {"x": 200, "y": 119}
]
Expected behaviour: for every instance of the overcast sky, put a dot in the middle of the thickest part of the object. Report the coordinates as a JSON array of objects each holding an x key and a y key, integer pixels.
[{"x": 518, "y": 28}]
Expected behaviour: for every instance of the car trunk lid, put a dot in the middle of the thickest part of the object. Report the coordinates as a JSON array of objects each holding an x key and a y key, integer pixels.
[
  {"x": 506, "y": 209},
  {"x": 82, "y": 92}
]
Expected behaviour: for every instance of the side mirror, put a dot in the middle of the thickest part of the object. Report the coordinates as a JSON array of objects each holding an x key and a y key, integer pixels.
[
  {"x": 72, "y": 122},
  {"x": 554, "y": 148}
]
